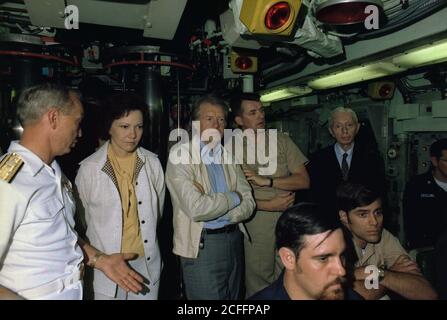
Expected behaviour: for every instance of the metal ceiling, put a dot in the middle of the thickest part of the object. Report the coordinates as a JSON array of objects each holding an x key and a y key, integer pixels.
[{"x": 158, "y": 19}]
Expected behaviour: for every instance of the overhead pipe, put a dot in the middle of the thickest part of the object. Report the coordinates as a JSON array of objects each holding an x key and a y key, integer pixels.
[
  {"x": 284, "y": 69},
  {"x": 12, "y": 18},
  {"x": 43, "y": 56}
]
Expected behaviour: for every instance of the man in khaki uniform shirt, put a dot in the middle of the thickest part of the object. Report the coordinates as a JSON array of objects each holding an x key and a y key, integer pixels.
[
  {"x": 273, "y": 192},
  {"x": 380, "y": 256}
]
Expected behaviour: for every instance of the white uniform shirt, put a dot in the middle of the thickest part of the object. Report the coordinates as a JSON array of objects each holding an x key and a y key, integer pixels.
[{"x": 37, "y": 242}]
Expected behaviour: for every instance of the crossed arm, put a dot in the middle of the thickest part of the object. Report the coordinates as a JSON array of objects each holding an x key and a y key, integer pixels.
[
  {"x": 298, "y": 180},
  {"x": 403, "y": 277}
]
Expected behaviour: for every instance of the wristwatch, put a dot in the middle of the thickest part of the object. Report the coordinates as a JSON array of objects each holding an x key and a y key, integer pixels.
[{"x": 381, "y": 273}]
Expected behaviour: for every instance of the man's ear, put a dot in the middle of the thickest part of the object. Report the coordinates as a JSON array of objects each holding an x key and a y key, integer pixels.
[
  {"x": 343, "y": 217},
  {"x": 331, "y": 132},
  {"x": 238, "y": 120},
  {"x": 288, "y": 258},
  {"x": 434, "y": 161},
  {"x": 52, "y": 116},
  {"x": 358, "y": 128}
]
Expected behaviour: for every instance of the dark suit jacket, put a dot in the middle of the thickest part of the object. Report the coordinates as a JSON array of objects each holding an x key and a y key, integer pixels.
[
  {"x": 366, "y": 168},
  {"x": 424, "y": 211}
]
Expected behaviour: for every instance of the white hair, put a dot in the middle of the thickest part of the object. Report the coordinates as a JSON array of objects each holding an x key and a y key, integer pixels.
[
  {"x": 36, "y": 100},
  {"x": 342, "y": 110}
]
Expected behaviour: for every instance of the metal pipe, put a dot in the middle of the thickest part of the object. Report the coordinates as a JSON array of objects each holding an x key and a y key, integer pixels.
[
  {"x": 12, "y": 18},
  {"x": 283, "y": 69},
  {"x": 247, "y": 83},
  {"x": 150, "y": 62},
  {"x": 39, "y": 56},
  {"x": 155, "y": 137}
]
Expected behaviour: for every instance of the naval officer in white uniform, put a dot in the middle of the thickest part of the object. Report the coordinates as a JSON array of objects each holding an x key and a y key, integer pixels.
[{"x": 41, "y": 256}]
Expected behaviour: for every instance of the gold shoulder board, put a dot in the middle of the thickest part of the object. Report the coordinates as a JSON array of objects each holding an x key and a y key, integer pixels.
[{"x": 9, "y": 166}]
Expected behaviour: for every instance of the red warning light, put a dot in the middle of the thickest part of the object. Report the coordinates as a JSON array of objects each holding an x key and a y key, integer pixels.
[
  {"x": 385, "y": 90},
  {"x": 243, "y": 63},
  {"x": 277, "y": 15},
  {"x": 344, "y": 12}
]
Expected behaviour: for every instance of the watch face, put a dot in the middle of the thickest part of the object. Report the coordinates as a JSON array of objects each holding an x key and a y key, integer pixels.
[{"x": 381, "y": 273}]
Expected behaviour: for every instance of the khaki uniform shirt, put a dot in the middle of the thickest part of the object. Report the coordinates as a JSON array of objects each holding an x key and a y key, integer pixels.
[
  {"x": 289, "y": 159},
  {"x": 384, "y": 253}
]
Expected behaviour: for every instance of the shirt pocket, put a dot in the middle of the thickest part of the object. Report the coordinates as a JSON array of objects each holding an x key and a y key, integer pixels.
[{"x": 48, "y": 209}]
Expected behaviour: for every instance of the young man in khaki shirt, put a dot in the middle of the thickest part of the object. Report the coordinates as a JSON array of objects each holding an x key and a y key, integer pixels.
[{"x": 379, "y": 254}]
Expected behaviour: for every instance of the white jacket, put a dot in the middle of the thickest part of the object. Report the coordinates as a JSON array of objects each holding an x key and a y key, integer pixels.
[{"x": 98, "y": 191}]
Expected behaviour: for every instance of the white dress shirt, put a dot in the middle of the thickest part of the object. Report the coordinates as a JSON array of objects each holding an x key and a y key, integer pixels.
[
  {"x": 339, "y": 154},
  {"x": 441, "y": 184},
  {"x": 38, "y": 244}
]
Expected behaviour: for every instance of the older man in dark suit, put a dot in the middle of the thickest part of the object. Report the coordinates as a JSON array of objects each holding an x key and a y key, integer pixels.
[{"x": 344, "y": 161}]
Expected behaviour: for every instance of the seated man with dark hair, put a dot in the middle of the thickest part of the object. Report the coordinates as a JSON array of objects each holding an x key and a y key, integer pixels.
[
  {"x": 311, "y": 247},
  {"x": 378, "y": 252}
]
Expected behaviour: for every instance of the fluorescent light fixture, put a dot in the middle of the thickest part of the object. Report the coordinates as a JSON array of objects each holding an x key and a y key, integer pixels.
[
  {"x": 284, "y": 93},
  {"x": 429, "y": 54},
  {"x": 355, "y": 74},
  {"x": 432, "y": 53}
]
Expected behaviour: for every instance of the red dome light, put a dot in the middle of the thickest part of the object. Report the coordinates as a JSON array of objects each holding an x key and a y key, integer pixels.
[
  {"x": 243, "y": 63},
  {"x": 277, "y": 15},
  {"x": 385, "y": 90},
  {"x": 342, "y": 12}
]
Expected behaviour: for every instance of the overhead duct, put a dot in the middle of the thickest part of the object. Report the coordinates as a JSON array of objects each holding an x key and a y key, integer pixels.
[
  {"x": 7, "y": 17},
  {"x": 283, "y": 69},
  {"x": 316, "y": 42}
]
